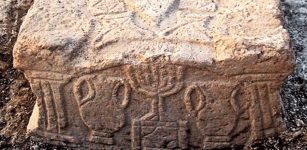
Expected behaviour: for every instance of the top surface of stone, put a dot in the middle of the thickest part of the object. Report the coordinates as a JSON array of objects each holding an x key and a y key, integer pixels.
[{"x": 77, "y": 35}]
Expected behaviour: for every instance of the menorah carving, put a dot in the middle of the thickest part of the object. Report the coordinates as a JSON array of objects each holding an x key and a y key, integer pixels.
[
  {"x": 157, "y": 81},
  {"x": 153, "y": 130}
]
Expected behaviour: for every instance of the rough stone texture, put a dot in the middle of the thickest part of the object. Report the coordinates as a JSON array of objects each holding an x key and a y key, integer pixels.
[
  {"x": 292, "y": 95},
  {"x": 173, "y": 75},
  {"x": 16, "y": 97},
  {"x": 11, "y": 14},
  {"x": 294, "y": 92}
]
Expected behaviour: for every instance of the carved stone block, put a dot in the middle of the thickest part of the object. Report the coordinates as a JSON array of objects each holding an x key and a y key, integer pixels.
[{"x": 160, "y": 74}]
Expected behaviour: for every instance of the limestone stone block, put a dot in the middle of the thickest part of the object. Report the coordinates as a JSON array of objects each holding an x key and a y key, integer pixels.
[{"x": 159, "y": 74}]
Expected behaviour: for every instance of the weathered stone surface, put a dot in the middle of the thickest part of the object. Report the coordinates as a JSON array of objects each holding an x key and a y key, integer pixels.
[
  {"x": 172, "y": 74},
  {"x": 16, "y": 98},
  {"x": 11, "y": 14}
]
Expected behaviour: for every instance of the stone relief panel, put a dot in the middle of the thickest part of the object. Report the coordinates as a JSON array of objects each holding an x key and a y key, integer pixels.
[
  {"x": 102, "y": 102},
  {"x": 213, "y": 105},
  {"x": 158, "y": 82},
  {"x": 51, "y": 104},
  {"x": 264, "y": 110},
  {"x": 154, "y": 74},
  {"x": 157, "y": 129},
  {"x": 52, "y": 118},
  {"x": 159, "y": 135},
  {"x": 131, "y": 108},
  {"x": 172, "y": 20}
]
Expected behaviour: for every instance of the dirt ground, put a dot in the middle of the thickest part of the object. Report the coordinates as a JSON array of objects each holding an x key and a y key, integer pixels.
[{"x": 17, "y": 99}]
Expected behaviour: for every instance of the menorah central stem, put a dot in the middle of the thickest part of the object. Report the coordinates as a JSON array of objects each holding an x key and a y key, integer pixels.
[
  {"x": 157, "y": 110},
  {"x": 161, "y": 110}
]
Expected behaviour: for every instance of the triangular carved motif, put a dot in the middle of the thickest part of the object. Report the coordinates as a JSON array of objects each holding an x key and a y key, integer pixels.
[{"x": 152, "y": 10}]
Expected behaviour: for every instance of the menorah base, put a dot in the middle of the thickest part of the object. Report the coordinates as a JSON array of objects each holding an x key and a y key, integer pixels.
[
  {"x": 159, "y": 135},
  {"x": 101, "y": 137}
]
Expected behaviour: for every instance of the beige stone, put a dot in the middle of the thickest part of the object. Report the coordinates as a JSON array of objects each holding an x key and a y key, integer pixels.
[
  {"x": 160, "y": 74},
  {"x": 11, "y": 16}
]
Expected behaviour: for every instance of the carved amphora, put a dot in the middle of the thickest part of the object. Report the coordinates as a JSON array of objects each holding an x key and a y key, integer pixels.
[
  {"x": 215, "y": 109},
  {"x": 102, "y": 101}
]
